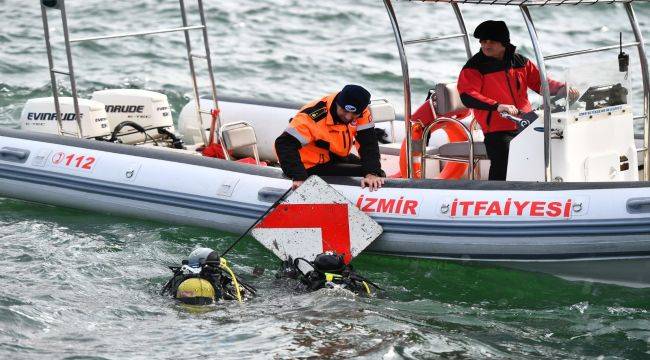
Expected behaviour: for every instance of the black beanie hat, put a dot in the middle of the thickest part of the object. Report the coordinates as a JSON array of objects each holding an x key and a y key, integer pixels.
[
  {"x": 493, "y": 30},
  {"x": 353, "y": 98}
]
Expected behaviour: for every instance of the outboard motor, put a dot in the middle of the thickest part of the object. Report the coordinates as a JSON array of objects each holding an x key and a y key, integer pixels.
[
  {"x": 139, "y": 116},
  {"x": 39, "y": 115}
]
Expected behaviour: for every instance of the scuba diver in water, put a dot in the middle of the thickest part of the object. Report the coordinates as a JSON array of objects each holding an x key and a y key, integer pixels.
[
  {"x": 205, "y": 278},
  {"x": 329, "y": 270}
]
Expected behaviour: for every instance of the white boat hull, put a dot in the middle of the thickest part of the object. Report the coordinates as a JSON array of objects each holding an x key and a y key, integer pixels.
[{"x": 594, "y": 231}]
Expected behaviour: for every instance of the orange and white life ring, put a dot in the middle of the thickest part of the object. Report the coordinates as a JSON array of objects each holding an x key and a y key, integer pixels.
[{"x": 422, "y": 118}]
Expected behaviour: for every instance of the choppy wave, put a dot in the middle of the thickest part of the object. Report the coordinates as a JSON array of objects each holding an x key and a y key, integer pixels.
[
  {"x": 81, "y": 282},
  {"x": 83, "y": 285}
]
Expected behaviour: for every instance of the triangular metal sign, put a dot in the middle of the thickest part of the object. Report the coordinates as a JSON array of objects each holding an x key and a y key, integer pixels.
[{"x": 313, "y": 219}]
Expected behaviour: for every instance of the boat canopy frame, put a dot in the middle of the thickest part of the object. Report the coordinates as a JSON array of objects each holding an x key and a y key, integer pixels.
[
  {"x": 524, "y": 6},
  {"x": 191, "y": 56}
]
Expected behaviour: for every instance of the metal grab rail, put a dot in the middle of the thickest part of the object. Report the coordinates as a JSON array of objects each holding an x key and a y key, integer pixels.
[
  {"x": 407, "y": 85},
  {"x": 60, "y": 5},
  {"x": 470, "y": 141},
  {"x": 208, "y": 60},
  {"x": 140, "y": 33},
  {"x": 60, "y": 72},
  {"x": 463, "y": 29},
  {"x": 589, "y": 51},
  {"x": 437, "y": 38},
  {"x": 646, "y": 87},
  {"x": 468, "y": 132},
  {"x": 545, "y": 91},
  {"x": 405, "y": 71}
]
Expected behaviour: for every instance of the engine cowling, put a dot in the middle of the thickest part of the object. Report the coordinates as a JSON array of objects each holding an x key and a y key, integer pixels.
[
  {"x": 148, "y": 109},
  {"x": 39, "y": 115}
]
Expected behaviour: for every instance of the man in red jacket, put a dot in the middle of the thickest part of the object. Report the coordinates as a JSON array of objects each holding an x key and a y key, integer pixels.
[{"x": 494, "y": 81}]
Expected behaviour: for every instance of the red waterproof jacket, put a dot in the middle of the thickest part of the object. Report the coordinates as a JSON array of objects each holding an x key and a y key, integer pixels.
[{"x": 486, "y": 82}]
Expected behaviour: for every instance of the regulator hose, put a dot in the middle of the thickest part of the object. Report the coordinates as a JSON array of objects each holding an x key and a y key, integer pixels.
[
  {"x": 133, "y": 125},
  {"x": 224, "y": 265}
]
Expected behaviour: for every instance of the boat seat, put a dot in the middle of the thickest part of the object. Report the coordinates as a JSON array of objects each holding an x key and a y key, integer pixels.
[
  {"x": 460, "y": 150},
  {"x": 390, "y": 149},
  {"x": 383, "y": 111},
  {"x": 455, "y": 149},
  {"x": 237, "y": 135},
  {"x": 445, "y": 99}
]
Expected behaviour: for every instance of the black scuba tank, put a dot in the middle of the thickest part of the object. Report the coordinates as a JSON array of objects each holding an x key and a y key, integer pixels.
[{"x": 329, "y": 262}]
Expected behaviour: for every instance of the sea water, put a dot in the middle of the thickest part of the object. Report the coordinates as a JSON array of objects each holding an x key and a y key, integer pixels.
[{"x": 80, "y": 285}]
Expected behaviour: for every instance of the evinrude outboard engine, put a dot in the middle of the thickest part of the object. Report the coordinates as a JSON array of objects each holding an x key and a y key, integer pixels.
[
  {"x": 138, "y": 116},
  {"x": 39, "y": 115}
]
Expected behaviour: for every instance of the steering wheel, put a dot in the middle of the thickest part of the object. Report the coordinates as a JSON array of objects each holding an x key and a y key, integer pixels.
[{"x": 523, "y": 121}]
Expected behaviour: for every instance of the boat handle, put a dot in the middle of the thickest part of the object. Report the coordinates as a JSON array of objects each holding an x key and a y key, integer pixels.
[
  {"x": 14, "y": 154},
  {"x": 270, "y": 194},
  {"x": 638, "y": 205}
]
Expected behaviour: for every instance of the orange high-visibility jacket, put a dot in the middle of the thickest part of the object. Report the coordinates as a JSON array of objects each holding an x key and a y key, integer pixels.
[
  {"x": 320, "y": 137},
  {"x": 314, "y": 127}
]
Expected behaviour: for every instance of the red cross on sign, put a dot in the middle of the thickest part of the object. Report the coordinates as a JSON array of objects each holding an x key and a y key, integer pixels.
[{"x": 332, "y": 219}]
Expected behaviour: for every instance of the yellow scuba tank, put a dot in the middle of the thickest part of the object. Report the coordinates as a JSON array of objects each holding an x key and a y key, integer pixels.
[
  {"x": 205, "y": 278},
  {"x": 195, "y": 291}
]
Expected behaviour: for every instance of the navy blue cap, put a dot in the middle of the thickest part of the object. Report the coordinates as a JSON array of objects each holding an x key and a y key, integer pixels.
[
  {"x": 493, "y": 30},
  {"x": 353, "y": 98}
]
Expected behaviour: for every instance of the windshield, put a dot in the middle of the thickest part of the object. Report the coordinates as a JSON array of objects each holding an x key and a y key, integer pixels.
[{"x": 593, "y": 87}]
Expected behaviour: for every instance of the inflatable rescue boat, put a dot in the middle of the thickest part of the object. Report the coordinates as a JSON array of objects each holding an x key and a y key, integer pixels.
[{"x": 576, "y": 203}]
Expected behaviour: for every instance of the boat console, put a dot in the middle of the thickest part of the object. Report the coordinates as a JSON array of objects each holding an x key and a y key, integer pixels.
[{"x": 592, "y": 136}]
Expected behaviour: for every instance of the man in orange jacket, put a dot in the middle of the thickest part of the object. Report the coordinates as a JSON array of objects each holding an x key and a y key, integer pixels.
[
  {"x": 320, "y": 137},
  {"x": 494, "y": 81}
]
